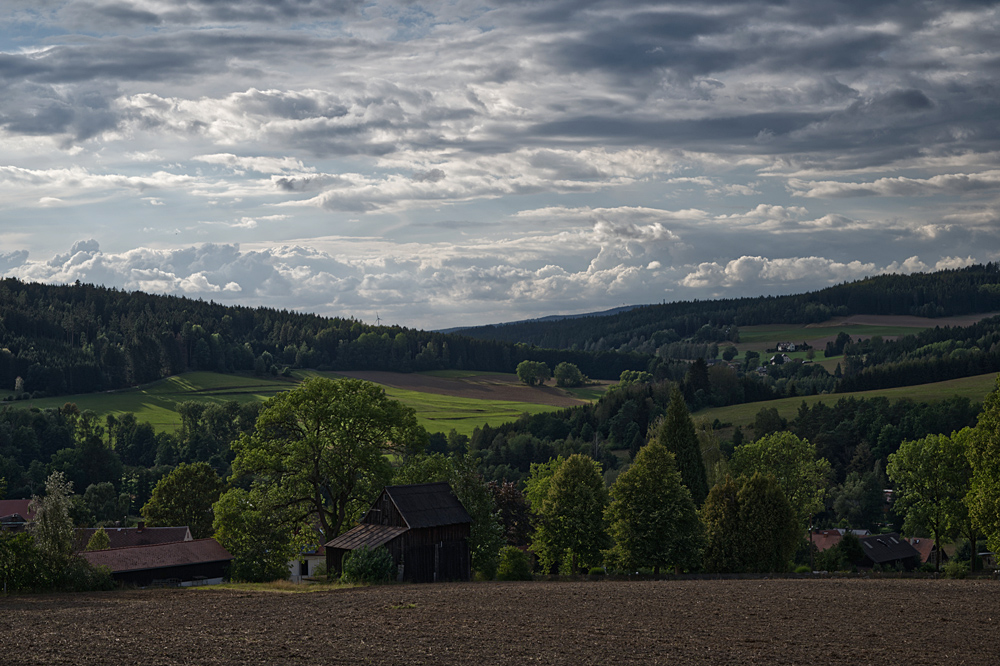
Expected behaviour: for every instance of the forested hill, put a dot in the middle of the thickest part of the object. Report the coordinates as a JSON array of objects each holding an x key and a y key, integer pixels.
[
  {"x": 82, "y": 338},
  {"x": 946, "y": 293}
]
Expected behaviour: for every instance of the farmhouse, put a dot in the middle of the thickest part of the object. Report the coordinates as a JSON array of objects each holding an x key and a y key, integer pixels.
[
  {"x": 201, "y": 561},
  {"x": 424, "y": 527},
  {"x": 888, "y": 550}
]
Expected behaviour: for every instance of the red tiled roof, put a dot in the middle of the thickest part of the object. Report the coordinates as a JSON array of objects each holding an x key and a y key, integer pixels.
[
  {"x": 158, "y": 556},
  {"x": 824, "y": 539},
  {"x": 372, "y": 536},
  {"x": 925, "y": 547},
  {"x": 18, "y": 506},
  {"x": 123, "y": 537}
]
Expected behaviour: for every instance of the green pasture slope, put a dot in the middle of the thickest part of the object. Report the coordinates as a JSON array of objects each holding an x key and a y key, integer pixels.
[
  {"x": 974, "y": 388},
  {"x": 156, "y": 402}
]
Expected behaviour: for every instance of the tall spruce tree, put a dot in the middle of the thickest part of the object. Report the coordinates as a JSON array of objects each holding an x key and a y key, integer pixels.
[{"x": 676, "y": 432}]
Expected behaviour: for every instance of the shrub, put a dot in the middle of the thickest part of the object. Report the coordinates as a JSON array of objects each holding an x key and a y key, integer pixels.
[
  {"x": 956, "y": 569},
  {"x": 597, "y": 571},
  {"x": 367, "y": 565},
  {"x": 513, "y": 565},
  {"x": 804, "y": 568}
]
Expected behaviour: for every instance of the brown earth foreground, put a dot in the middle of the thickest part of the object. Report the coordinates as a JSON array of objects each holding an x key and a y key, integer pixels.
[{"x": 842, "y": 621}]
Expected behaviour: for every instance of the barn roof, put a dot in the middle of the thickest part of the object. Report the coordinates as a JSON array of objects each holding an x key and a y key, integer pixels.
[
  {"x": 428, "y": 505},
  {"x": 372, "y": 536},
  {"x": 890, "y": 547},
  {"x": 159, "y": 556},
  {"x": 123, "y": 537}
]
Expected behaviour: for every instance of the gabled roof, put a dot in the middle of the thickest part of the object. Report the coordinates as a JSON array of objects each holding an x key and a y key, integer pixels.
[
  {"x": 16, "y": 507},
  {"x": 823, "y": 539},
  {"x": 372, "y": 536},
  {"x": 925, "y": 547},
  {"x": 887, "y": 548},
  {"x": 124, "y": 537},
  {"x": 159, "y": 556},
  {"x": 428, "y": 505}
]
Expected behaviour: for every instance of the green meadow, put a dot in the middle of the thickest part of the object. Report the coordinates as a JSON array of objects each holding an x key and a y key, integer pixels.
[
  {"x": 156, "y": 402},
  {"x": 974, "y": 388}
]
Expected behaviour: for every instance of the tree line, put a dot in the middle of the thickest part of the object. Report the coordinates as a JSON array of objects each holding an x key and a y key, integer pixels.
[
  {"x": 940, "y": 294},
  {"x": 59, "y": 339}
]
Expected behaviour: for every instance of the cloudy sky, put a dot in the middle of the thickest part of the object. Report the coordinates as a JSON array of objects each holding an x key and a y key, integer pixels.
[{"x": 457, "y": 163}]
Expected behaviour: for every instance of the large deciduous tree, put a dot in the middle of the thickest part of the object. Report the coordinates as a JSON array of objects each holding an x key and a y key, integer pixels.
[
  {"x": 533, "y": 372},
  {"x": 652, "y": 518},
  {"x": 676, "y": 432},
  {"x": 185, "y": 497},
  {"x": 319, "y": 451},
  {"x": 931, "y": 477},
  {"x": 570, "y": 528},
  {"x": 983, "y": 451},
  {"x": 52, "y": 528},
  {"x": 802, "y": 475},
  {"x": 751, "y": 527}
]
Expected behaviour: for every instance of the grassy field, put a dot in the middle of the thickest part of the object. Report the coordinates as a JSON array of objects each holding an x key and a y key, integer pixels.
[
  {"x": 156, "y": 402},
  {"x": 975, "y": 388},
  {"x": 773, "y": 333}
]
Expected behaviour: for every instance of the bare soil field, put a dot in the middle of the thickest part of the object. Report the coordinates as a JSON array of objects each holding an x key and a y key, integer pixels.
[
  {"x": 845, "y": 621},
  {"x": 481, "y": 387}
]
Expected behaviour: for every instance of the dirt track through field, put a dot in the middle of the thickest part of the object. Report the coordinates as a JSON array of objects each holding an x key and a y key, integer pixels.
[
  {"x": 480, "y": 387},
  {"x": 665, "y": 622}
]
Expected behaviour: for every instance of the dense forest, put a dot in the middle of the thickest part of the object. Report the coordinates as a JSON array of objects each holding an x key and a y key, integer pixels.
[
  {"x": 82, "y": 338},
  {"x": 941, "y": 294}
]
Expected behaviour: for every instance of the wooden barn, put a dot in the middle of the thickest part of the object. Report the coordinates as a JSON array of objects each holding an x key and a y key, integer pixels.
[{"x": 424, "y": 527}]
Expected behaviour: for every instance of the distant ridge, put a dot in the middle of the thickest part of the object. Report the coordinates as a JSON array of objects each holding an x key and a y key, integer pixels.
[{"x": 549, "y": 318}]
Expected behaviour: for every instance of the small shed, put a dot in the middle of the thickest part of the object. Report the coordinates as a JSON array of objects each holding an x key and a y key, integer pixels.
[
  {"x": 424, "y": 527},
  {"x": 888, "y": 550},
  {"x": 197, "y": 562}
]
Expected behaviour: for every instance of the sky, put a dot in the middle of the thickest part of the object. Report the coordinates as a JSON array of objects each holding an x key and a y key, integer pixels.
[{"x": 460, "y": 163}]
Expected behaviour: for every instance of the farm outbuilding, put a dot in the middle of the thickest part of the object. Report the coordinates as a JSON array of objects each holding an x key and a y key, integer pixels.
[
  {"x": 424, "y": 527},
  {"x": 197, "y": 562}
]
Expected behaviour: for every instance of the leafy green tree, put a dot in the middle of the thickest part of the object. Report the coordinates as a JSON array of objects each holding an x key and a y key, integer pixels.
[
  {"x": 568, "y": 374},
  {"x": 793, "y": 462},
  {"x": 532, "y": 372},
  {"x": 652, "y": 518},
  {"x": 750, "y": 526},
  {"x": 931, "y": 477},
  {"x": 104, "y": 503},
  {"x": 768, "y": 421},
  {"x": 99, "y": 540},
  {"x": 859, "y": 500},
  {"x": 983, "y": 450},
  {"x": 473, "y": 492},
  {"x": 514, "y": 564},
  {"x": 570, "y": 529},
  {"x": 185, "y": 497},
  {"x": 676, "y": 432},
  {"x": 258, "y": 536},
  {"x": 52, "y": 528},
  {"x": 319, "y": 450}
]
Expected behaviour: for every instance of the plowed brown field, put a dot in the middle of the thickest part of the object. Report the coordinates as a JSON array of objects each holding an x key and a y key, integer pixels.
[
  {"x": 481, "y": 387},
  {"x": 884, "y": 622}
]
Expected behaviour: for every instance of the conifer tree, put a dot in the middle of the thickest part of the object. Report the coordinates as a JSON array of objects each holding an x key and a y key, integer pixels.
[
  {"x": 676, "y": 433},
  {"x": 99, "y": 541}
]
